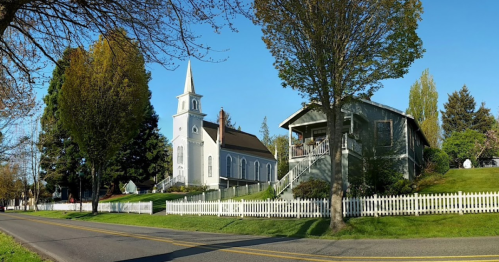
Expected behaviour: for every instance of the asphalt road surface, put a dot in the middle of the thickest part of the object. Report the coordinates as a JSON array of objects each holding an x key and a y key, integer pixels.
[{"x": 68, "y": 240}]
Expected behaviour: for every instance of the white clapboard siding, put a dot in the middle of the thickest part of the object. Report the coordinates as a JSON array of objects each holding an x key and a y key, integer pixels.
[
  {"x": 251, "y": 208},
  {"x": 115, "y": 207}
]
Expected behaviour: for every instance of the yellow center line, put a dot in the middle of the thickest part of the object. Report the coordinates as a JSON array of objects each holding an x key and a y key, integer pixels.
[{"x": 266, "y": 253}]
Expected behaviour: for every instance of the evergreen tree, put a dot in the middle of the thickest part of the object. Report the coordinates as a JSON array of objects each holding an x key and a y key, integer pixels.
[
  {"x": 60, "y": 155},
  {"x": 483, "y": 121},
  {"x": 142, "y": 158},
  {"x": 459, "y": 112},
  {"x": 423, "y": 99},
  {"x": 266, "y": 138}
]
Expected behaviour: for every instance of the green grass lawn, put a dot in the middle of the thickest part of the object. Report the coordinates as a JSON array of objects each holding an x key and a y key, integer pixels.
[
  {"x": 10, "y": 250},
  {"x": 466, "y": 180},
  {"x": 158, "y": 199},
  {"x": 429, "y": 226}
]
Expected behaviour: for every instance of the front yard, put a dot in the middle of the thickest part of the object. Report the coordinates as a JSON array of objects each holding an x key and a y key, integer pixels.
[{"x": 466, "y": 180}]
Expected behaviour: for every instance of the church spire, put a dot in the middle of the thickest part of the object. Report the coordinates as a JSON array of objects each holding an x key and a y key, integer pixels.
[{"x": 189, "y": 82}]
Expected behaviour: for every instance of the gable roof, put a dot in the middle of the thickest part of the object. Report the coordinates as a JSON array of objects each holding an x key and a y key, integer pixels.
[
  {"x": 305, "y": 109},
  {"x": 239, "y": 141}
]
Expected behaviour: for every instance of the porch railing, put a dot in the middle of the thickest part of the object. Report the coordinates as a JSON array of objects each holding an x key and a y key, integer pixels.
[{"x": 321, "y": 148}]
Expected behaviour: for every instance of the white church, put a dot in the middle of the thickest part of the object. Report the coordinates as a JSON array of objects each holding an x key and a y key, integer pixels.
[{"x": 213, "y": 155}]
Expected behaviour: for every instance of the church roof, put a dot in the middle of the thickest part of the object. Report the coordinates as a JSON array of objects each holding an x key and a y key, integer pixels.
[{"x": 239, "y": 141}]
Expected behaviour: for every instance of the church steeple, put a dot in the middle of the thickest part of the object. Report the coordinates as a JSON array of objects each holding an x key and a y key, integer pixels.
[{"x": 189, "y": 81}]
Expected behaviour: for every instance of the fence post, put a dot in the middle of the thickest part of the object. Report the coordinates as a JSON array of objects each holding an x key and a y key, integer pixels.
[
  {"x": 128, "y": 207},
  {"x": 460, "y": 202},
  {"x": 247, "y": 192},
  {"x": 416, "y": 204},
  {"x": 204, "y": 197},
  {"x": 268, "y": 207},
  {"x": 375, "y": 202},
  {"x": 241, "y": 208},
  {"x": 151, "y": 208},
  {"x": 298, "y": 209},
  {"x": 219, "y": 194},
  {"x": 219, "y": 207},
  {"x": 234, "y": 189},
  {"x": 139, "y": 207},
  {"x": 166, "y": 208}
]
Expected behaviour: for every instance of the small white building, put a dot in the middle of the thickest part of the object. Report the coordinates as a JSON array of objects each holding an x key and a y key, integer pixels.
[{"x": 213, "y": 155}]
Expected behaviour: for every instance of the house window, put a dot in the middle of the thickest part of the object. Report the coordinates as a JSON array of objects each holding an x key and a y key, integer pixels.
[
  {"x": 210, "y": 166},
  {"x": 257, "y": 170},
  {"x": 195, "y": 129},
  {"x": 243, "y": 168},
  {"x": 383, "y": 132},
  {"x": 194, "y": 104},
  {"x": 229, "y": 166},
  {"x": 180, "y": 155},
  {"x": 269, "y": 172}
]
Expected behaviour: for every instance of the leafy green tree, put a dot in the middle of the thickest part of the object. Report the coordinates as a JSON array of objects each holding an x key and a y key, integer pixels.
[
  {"x": 282, "y": 144},
  {"x": 458, "y": 112},
  {"x": 332, "y": 51},
  {"x": 104, "y": 96},
  {"x": 143, "y": 157},
  {"x": 462, "y": 145},
  {"x": 423, "y": 99}
]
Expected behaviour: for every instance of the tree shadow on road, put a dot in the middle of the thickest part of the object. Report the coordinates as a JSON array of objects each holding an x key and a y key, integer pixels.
[{"x": 202, "y": 249}]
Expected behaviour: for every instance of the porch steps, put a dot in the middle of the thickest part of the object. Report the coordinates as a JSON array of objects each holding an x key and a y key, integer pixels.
[
  {"x": 293, "y": 176},
  {"x": 162, "y": 186}
]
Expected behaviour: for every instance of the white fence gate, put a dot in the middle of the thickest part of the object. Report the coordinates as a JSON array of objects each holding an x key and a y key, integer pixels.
[{"x": 113, "y": 207}]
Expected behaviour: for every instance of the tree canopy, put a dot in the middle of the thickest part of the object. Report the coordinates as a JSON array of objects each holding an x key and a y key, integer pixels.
[
  {"x": 332, "y": 51},
  {"x": 104, "y": 96},
  {"x": 423, "y": 99}
]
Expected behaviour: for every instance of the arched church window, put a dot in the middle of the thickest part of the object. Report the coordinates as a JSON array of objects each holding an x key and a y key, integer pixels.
[
  {"x": 180, "y": 171},
  {"x": 210, "y": 167},
  {"x": 257, "y": 170},
  {"x": 180, "y": 155},
  {"x": 229, "y": 166},
  {"x": 243, "y": 168},
  {"x": 194, "y": 104}
]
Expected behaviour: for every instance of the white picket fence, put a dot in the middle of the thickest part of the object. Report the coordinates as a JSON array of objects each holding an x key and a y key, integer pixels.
[
  {"x": 115, "y": 207},
  {"x": 459, "y": 203},
  {"x": 251, "y": 208}
]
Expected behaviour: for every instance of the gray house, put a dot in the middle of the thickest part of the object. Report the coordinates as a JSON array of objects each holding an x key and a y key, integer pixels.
[{"x": 369, "y": 128}]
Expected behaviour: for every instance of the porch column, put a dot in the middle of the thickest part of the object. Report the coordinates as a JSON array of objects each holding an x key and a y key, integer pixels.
[{"x": 289, "y": 139}]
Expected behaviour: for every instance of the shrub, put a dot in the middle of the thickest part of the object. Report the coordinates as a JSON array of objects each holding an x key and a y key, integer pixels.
[
  {"x": 269, "y": 193},
  {"x": 312, "y": 189},
  {"x": 437, "y": 161},
  {"x": 401, "y": 187}
]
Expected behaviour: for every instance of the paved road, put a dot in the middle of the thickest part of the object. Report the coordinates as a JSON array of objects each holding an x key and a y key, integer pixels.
[{"x": 68, "y": 240}]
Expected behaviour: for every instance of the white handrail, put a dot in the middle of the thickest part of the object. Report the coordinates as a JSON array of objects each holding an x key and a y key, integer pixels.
[
  {"x": 302, "y": 166},
  {"x": 169, "y": 182}
]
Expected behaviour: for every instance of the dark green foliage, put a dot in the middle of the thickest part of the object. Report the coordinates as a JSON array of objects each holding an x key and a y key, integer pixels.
[
  {"x": 187, "y": 189},
  {"x": 269, "y": 193},
  {"x": 60, "y": 155},
  {"x": 458, "y": 113},
  {"x": 314, "y": 188},
  {"x": 143, "y": 157},
  {"x": 436, "y": 160},
  {"x": 462, "y": 145},
  {"x": 401, "y": 187},
  {"x": 483, "y": 120}
]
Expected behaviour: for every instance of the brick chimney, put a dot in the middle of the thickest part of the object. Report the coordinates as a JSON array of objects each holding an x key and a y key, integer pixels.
[{"x": 221, "y": 128}]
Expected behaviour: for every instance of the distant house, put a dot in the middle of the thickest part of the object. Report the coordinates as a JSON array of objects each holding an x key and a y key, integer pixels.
[
  {"x": 367, "y": 127},
  {"x": 211, "y": 154}
]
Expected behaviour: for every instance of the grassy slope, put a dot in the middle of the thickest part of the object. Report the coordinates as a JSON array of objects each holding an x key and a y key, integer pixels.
[
  {"x": 10, "y": 250},
  {"x": 466, "y": 180}
]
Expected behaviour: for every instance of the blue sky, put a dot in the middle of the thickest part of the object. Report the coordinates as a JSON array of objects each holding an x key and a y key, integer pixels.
[{"x": 460, "y": 37}]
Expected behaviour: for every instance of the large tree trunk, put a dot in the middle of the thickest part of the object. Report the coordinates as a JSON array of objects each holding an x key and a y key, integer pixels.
[
  {"x": 95, "y": 187},
  {"x": 335, "y": 124}
]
